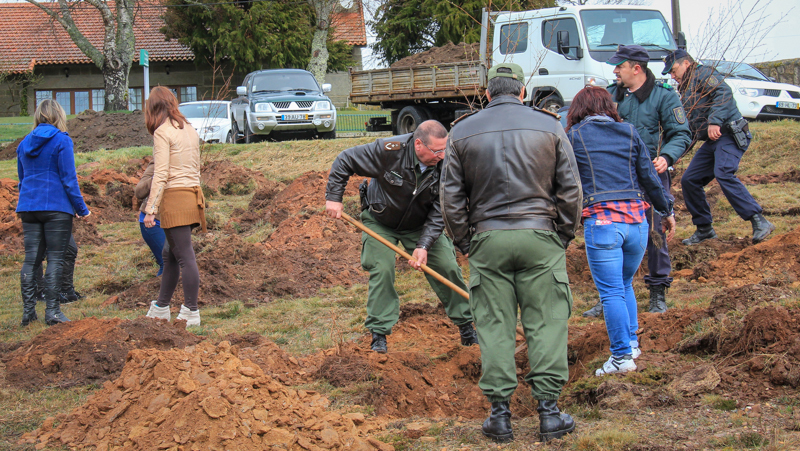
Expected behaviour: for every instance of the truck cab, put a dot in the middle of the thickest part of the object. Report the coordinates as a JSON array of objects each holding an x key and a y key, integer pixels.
[{"x": 563, "y": 49}]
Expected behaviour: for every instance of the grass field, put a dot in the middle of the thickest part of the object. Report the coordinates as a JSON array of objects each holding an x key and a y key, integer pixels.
[{"x": 307, "y": 325}]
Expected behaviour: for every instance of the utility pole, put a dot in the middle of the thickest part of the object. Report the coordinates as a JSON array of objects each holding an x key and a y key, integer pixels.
[{"x": 676, "y": 17}]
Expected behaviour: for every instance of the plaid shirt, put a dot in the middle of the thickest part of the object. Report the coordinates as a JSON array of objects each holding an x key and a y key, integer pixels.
[{"x": 625, "y": 211}]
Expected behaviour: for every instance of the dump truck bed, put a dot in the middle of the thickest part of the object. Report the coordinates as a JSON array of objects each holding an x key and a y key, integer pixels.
[{"x": 450, "y": 81}]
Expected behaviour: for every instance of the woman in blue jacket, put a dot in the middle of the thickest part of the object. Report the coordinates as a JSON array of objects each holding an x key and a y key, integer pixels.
[
  {"x": 49, "y": 197},
  {"x": 615, "y": 167}
]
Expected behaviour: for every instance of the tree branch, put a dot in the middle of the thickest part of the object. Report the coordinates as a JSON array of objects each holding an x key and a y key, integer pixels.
[{"x": 65, "y": 19}]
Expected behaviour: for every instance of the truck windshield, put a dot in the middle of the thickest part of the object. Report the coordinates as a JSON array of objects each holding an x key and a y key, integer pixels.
[
  {"x": 608, "y": 28},
  {"x": 284, "y": 81},
  {"x": 213, "y": 110},
  {"x": 736, "y": 70}
]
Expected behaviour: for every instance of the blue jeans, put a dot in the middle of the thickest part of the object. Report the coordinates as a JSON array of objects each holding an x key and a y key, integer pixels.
[
  {"x": 615, "y": 251},
  {"x": 154, "y": 237}
]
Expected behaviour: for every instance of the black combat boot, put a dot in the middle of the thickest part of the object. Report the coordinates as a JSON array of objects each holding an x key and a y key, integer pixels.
[
  {"x": 378, "y": 343},
  {"x": 468, "y": 335},
  {"x": 552, "y": 423},
  {"x": 595, "y": 311},
  {"x": 498, "y": 426},
  {"x": 68, "y": 297},
  {"x": 52, "y": 313},
  {"x": 761, "y": 228},
  {"x": 28, "y": 307},
  {"x": 703, "y": 232},
  {"x": 658, "y": 301}
]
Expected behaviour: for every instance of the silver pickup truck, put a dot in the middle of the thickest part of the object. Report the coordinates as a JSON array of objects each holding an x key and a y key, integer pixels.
[{"x": 282, "y": 104}]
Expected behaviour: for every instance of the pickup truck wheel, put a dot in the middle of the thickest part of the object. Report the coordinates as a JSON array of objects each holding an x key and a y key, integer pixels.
[
  {"x": 409, "y": 119},
  {"x": 248, "y": 135},
  {"x": 551, "y": 104},
  {"x": 328, "y": 135},
  {"x": 235, "y": 132}
]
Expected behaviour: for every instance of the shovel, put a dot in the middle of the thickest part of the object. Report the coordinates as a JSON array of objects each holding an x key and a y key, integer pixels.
[{"x": 405, "y": 255}]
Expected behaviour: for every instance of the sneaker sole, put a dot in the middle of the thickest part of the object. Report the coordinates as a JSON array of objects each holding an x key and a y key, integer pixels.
[
  {"x": 499, "y": 438},
  {"x": 554, "y": 435},
  {"x": 615, "y": 372}
]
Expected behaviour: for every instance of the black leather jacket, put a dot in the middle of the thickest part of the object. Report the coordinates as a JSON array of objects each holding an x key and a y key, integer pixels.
[
  {"x": 707, "y": 100},
  {"x": 397, "y": 198},
  {"x": 509, "y": 167}
]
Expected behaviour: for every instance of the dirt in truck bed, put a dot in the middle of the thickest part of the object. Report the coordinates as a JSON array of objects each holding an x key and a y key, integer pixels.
[{"x": 449, "y": 53}]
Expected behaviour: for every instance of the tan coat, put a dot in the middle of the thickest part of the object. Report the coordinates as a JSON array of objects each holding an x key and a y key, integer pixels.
[{"x": 176, "y": 157}]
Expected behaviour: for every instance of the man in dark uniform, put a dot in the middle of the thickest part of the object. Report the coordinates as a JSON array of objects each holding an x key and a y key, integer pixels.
[
  {"x": 656, "y": 112},
  {"x": 715, "y": 119},
  {"x": 401, "y": 204},
  {"x": 511, "y": 200}
]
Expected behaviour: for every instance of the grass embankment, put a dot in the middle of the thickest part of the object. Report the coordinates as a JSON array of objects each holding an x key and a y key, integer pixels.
[{"x": 306, "y": 325}]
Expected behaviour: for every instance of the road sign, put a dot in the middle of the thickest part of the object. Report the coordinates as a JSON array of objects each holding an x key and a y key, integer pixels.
[{"x": 144, "y": 58}]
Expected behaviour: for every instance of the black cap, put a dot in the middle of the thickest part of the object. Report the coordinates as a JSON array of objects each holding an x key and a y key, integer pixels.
[
  {"x": 629, "y": 52},
  {"x": 670, "y": 59}
]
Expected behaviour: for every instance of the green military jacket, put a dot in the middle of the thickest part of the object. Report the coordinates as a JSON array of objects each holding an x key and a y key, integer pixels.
[{"x": 659, "y": 117}]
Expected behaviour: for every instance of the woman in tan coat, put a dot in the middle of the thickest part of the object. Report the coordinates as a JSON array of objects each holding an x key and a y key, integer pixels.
[{"x": 176, "y": 200}]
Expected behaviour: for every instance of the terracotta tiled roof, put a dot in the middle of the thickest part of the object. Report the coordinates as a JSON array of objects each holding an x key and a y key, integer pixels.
[
  {"x": 29, "y": 37},
  {"x": 349, "y": 26}
]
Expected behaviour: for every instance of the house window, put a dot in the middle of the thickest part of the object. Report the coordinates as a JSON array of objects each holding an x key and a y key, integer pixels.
[
  {"x": 98, "y": 99},
  {"x": 188, "y": 94},
  {"x": 74, "y": 102},
  {"x": 135, "y": 98},
  {"x": 41, "y": 95}
]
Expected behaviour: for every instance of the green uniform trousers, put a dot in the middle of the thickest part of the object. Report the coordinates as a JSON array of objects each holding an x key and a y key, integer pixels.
[
  {"x": 523, "y": 269},
  {"x": 383, "y": 304}
]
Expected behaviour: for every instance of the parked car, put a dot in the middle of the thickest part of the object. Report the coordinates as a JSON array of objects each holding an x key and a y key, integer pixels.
[
  {"x": 758, "y": 96},
  {"x": 282, "y": 103},
  {"x": 211, "y": 119}
]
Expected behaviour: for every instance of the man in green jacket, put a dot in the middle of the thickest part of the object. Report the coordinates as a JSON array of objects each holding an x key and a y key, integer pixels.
[{"x": 656, "y": 112}]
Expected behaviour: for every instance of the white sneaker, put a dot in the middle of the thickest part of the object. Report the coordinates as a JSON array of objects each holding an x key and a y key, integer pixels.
[
  {"x": 636, "y": 352},
  {"x": 192, "y": 318},
  {"x": 158, "y": 312},
  {"x": 616, "y": 365}
]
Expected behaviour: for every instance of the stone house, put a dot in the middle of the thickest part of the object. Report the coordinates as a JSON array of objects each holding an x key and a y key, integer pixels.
[{"x": 33, "y": 47}]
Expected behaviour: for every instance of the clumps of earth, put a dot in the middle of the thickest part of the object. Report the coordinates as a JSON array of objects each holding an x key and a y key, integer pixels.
[
  {"x": 448, "y": 53},
  {"x": 95, "y": 130}
]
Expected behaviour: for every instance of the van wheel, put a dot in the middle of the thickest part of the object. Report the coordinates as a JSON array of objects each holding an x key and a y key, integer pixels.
[
  {"x": 551, "y": 104},
  {"x": 409, "y": 119},
  {"x": 229, "y": 137}
]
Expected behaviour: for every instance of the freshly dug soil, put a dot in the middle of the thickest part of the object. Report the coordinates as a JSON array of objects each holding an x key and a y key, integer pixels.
[
  {"x": 93, "y": 130},
  {"x": 88, "y": 351},
  {"x": 449, "y": 53},
  {"x": 224, "y": 177},
  {"x": 204, "y": 397}
]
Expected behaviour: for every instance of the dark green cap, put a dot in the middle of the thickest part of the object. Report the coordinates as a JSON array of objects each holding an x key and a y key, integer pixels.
[{"x": 509, "y": 70}]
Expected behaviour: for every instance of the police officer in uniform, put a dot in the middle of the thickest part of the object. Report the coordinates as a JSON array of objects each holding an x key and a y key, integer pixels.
[
  {"x": 511, "y": 200},
  {"x": 715, "y": 119},
  {"x": 656, "y": 112},
  {"x": 401, "y": 204}
]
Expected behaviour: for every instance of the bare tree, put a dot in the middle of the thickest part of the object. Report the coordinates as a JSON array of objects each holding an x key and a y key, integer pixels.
[
  {"x": 115, "y": 57},
  {"x": 319, "y": 50}
]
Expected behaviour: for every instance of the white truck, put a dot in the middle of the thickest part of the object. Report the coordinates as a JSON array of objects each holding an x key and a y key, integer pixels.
[{"x": 560, "y": 49}]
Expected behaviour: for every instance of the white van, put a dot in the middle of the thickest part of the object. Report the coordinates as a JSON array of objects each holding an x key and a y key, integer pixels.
[
  {"x": 756, "y": 95},
  {"x": 563, "y": 49}
]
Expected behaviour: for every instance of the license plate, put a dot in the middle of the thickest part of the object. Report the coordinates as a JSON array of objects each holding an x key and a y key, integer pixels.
[
  {"x": 788, "y": 105},
  {"x": 294, "y": 117}
]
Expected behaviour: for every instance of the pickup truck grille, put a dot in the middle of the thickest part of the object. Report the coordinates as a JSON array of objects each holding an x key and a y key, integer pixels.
[{"x": 294, "y": 106}]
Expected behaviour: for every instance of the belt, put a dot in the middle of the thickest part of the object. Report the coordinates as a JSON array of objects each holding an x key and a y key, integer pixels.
[{"x": 538, "y": 223}]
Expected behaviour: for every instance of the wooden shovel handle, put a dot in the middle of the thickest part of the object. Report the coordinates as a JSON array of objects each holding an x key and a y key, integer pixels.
[{"x": 405, "y": 255}]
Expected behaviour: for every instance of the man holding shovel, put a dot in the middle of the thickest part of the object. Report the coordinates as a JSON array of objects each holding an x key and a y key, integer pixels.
[{"x": 401, "y": 204}]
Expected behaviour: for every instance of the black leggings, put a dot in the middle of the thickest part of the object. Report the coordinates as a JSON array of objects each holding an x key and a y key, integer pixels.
[
  {"x": 179, "y": 262},
  {"x": 53, "y": 229},
  {"x": 67, "y": 283}
]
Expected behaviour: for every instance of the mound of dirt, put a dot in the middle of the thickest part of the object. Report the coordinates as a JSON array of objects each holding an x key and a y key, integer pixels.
[
  {"x": 792, "y": 176},
  {"x": 449, "y": 53},
  {"x": 224, "y": 177},
  {"x": 88, "y": 351},
  {"x": 775, "y": 257},
  {"x": 93, "y": 130},
  {"x": 10, "y": 225},
  {"x": 204, "y": 397},
  {"x": 743, "y": 298}
]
